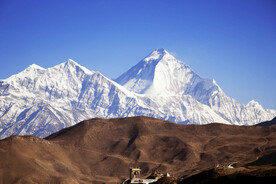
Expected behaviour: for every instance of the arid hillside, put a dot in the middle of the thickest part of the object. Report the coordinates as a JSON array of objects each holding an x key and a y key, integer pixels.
[{"x": 102, "y": 150}]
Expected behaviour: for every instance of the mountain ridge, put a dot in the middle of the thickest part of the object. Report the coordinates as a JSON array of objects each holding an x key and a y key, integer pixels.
[{"x": 41, "y": 101}]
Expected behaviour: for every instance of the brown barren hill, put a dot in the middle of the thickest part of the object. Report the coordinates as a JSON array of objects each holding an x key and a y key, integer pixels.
[{"x": 102, "y": 150}]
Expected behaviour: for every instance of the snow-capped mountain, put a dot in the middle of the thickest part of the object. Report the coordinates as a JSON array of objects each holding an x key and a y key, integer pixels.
[
  {"x": 160, "y": 74},
  {"x": 41, "y": 101}
]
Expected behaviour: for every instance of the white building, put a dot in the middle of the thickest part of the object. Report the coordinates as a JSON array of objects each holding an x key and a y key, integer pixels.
[{"x": 134, "y": 177}]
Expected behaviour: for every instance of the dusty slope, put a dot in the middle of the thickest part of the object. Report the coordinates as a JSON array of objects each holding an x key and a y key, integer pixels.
[
  {"x": 101, "y": 150},
  {"x": 265, "y": 174}
]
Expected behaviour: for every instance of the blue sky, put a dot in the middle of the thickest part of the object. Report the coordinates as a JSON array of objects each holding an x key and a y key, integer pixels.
[{"x": 232, "y": 41}]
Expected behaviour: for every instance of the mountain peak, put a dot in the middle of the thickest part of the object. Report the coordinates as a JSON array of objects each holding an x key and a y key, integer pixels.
[
  {"x": 31, "y": 70},
  {"x": 254, "y": 104},
  {"x": 74, "y": 64},
  {"x": 156, "y": 55},
  {"x": 161, "y": 51},
  {"x": 35, "y": 66},
  {"x": 71, "y": 61},
  {"x": 157, "y": 74}
]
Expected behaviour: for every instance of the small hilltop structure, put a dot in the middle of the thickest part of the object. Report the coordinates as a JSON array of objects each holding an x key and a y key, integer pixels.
[{"x": 134, "y": 177}]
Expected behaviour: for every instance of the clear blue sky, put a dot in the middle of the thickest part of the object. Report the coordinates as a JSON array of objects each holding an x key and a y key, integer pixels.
[{"x": 232, "y": 41}]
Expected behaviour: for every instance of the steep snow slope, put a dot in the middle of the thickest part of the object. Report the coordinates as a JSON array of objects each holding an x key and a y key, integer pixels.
[{"x": 160, "y": 74}]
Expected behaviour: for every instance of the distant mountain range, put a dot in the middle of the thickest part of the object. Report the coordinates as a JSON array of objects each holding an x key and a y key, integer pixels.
[{"x": 41, "y": 101}]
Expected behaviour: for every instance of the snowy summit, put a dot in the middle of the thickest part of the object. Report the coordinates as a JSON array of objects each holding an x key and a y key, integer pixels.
[{"x": 160, "y": 73}]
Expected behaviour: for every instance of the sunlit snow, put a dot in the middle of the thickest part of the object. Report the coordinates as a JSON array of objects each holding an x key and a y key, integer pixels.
[{"x": 41, "y": 101}]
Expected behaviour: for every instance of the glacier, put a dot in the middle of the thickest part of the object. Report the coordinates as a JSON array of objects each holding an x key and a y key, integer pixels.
[{"x": 41, "y": 101}]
